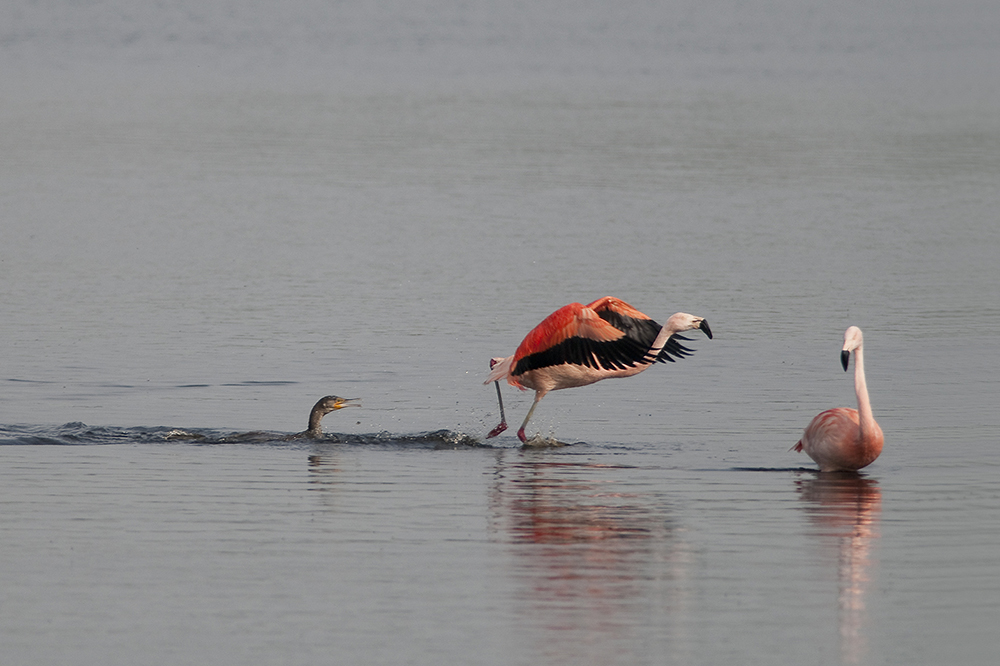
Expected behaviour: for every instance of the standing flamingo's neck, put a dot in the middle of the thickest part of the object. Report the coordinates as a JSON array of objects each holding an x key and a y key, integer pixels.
[{"x": 865, "y": 416}]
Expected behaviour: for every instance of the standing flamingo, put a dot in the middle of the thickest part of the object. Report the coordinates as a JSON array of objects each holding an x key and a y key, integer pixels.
[
  {"x": 843, "y": 439},
  {"x": 581, "y": 344}
]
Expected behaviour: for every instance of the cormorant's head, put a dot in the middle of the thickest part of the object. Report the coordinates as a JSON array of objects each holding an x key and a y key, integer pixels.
[{"x": 332, "y": 403}]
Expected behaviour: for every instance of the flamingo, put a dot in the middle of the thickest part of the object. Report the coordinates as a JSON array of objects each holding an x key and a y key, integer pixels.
[
  {"x": 843, "y": 439},
  {"x": 581, "y": 344}
]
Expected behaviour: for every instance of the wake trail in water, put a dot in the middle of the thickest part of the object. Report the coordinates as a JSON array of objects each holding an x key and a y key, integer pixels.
[{"x": 81, "y": 434}]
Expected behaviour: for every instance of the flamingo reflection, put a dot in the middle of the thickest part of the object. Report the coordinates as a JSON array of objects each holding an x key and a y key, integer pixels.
[
  {"x": 844, "y": 510},
  {"x": 596, "y": 553}
]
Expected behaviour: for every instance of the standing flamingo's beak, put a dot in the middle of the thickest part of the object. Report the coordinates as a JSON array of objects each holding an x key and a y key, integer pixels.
[
  {"x": 845, "y": 358},
  {"x": 704, "y": 326}
]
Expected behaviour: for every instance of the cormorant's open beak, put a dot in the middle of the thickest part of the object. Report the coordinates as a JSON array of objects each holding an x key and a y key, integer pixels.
[
  {"x": 347, "y": 402},
  {"x": 704, "y": 326},
  {"x": 845, "y": 358}
]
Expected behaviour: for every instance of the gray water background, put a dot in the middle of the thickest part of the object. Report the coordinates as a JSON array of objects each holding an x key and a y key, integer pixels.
[{"x": 213, "y": 214}]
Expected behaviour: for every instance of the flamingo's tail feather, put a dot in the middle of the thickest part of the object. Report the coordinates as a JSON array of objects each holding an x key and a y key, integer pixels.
[{"x": 500, "y": 367}]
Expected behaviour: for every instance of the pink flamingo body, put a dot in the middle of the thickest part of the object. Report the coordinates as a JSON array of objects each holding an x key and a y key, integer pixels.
[
  {"x": 843, "y": 439},
  {"x": 581, "y": 344}
]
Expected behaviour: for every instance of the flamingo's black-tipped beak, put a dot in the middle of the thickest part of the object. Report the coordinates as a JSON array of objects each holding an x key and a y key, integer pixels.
[
  {"x": 845, "y": 358},
  {"x": 704, "y": 326}
]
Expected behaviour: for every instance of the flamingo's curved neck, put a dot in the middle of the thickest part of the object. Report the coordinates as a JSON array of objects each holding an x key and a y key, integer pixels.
[
  {"x": 661, "y": 338},
  {"x": 865, "y": 417}
]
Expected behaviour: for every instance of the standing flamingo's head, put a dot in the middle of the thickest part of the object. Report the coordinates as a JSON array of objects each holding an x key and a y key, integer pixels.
[
  {"x": 682, "y": 321},
  {"x": 852, "y": 341}
]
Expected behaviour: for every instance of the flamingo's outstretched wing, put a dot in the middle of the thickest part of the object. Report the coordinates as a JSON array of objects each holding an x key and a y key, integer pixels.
[
  {"x": 674, "y": 348},
  {"x": 608, "y": 334},
  {"x": 640, "y": 328}
]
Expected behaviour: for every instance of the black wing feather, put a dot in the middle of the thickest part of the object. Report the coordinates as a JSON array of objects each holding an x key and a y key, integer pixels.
[
  {"x": 674, "y": 348},
  {"x": 615, "y": 355},
  {"x": 628, "y": 351}
]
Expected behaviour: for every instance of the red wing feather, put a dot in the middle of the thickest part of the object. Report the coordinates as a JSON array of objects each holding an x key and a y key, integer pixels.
[
  {"x": 616, "y": 305},
  {"x": 570, "y": 321},
  {"x": 609, "y": 334}
]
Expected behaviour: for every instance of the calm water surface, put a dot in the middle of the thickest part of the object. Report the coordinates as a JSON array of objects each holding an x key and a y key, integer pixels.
[{"x": 213, "y": 215}]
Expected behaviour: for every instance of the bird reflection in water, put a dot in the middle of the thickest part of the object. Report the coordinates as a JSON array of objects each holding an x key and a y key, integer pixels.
[
  {"x": 844, "y": 510},
  {"x": 325, "y": 469},
  {"x": 598, "y": 555}
]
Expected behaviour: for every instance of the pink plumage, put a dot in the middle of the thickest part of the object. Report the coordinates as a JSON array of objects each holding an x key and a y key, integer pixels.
[
  {"x": 581, "y": 344},
  {"x": 843, "y": 439}
]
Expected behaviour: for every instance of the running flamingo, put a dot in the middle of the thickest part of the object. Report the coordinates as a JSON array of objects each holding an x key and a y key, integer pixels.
[
  {"x": 581, "y": 344},
  {"x": 843, "y": 439}
]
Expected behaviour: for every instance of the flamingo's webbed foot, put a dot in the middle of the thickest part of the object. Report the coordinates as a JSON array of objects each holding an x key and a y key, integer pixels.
[{"x": 496, "y": 431}]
